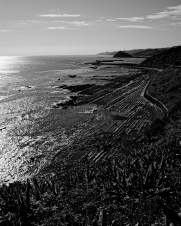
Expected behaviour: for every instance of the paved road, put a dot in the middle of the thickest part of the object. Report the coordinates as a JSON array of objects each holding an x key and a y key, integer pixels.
[{"x": 161, "y": 111}]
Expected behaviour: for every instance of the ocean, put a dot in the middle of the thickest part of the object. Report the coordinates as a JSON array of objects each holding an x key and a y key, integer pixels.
[{"x": 31, "y": 130}]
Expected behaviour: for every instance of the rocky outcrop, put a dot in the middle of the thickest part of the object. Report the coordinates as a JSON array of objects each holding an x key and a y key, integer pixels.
[{"x": 122, "y": 54}]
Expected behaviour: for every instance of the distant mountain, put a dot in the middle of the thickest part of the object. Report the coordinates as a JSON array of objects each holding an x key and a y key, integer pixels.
[
  {"x": 148, "y": 52},
  {"x": 122, "y": 54},
  {"x": 139, "y": 52},
  {"x": 107, "y": 53},
  {"x": 132, "y": 51},
  {"x": 171, "y": 56},
  {"x": 126, "y": 51}
]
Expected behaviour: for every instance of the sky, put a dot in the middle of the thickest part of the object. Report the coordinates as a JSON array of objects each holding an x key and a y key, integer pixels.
[{"x": 83, "y": 27}]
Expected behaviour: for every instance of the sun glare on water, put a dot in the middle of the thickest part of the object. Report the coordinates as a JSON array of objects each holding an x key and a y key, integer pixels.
[{"x": 8, "y": 64}]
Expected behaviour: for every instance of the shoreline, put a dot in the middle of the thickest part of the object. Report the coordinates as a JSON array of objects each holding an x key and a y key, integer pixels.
[
  {"x": 106, "y": 119},
  {"x": 71, "y": 111},
  {"x": 77, "y": 113}
]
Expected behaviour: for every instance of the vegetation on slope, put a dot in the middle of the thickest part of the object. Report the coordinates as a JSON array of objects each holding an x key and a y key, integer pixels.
[
  {"x": 171, "y": 56},
  {"x": 122, "y": 54},
  {"x": 140, "y": 183},
  {"x": 130, "y": 189},
  {"x": 166, "y": 87},
  {"x": 132, "y": 51},
  {"x": 149, "y": 52}
]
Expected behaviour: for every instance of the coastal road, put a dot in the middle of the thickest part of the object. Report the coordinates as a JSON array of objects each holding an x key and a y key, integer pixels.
[{"x": 119, "y": 110}]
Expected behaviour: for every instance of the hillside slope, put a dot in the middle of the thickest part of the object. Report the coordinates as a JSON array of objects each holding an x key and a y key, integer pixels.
[
  {"x": 132, "y": 51},
  {"x": 171, "y": 56},
  {"x": 149, "y": 52},
  {"x": 166, "y": 87},
  {"x": 138, "y": 52},
  {"x": 126, "y": 51}
]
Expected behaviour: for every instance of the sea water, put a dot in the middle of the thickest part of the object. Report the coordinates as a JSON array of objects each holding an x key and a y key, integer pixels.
[{"x": 31, "y": 130}]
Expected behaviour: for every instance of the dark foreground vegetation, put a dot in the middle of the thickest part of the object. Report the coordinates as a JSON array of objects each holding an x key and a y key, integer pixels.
[{"x": 141, "y": 183}]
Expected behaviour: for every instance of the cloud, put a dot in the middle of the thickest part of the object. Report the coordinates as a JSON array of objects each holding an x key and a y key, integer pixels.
[
  {"x": 99, "y": 20},
  {"x": 173, "y": 12},
  {"x": 59, "y": 15},
  {"x": 176, "y": 24},
  {"x": 82, "y": 23},
  {"x": 132, "y": 19},
  {"x": 58, "y": 28},
  {"x": 157, "y": 16},
  {"x": 76, "y": 23},
  {"x": 24, "y": 22},
  {"x": 5, "y": 31},
  {"x": 175, "y": 7},
  {"x": 136, "y": 26},
  {"x": 110, "y": 20},
  {"x": 36, "y": 21}
]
